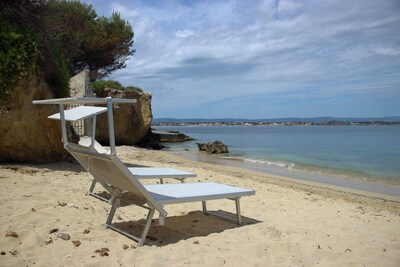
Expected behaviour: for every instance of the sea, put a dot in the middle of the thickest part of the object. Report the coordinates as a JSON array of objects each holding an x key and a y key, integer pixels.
[{"x": 356, "y": 157}]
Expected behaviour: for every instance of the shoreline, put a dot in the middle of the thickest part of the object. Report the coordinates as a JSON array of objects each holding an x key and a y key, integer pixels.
[
  {"x": 168, "y": 158},
  {"x": 296, "y": 175},
  {"x": 343, "y": 151}
]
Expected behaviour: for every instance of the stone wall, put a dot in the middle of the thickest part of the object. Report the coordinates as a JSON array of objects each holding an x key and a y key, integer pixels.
[{"x": 79, "y": 85}]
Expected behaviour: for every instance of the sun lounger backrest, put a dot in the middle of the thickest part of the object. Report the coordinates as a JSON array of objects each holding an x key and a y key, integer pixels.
[
  {"x": 110, "y": 170},
  {"x": 86, "y": 141},
  {"x": 81, "y": 159}
]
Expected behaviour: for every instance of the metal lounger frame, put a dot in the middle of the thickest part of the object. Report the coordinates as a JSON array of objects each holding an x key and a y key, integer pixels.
[{"x": 151, "y": 201}]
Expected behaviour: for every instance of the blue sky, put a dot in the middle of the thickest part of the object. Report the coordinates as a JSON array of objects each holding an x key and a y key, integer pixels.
[{"x": 264, "y": 59}]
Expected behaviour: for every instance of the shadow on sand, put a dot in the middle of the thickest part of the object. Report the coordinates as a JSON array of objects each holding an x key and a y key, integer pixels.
[{"x": 182, "y": 227}]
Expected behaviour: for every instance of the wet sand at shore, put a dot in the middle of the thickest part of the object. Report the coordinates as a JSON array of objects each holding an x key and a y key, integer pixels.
[{"x": 308, "y": 176}]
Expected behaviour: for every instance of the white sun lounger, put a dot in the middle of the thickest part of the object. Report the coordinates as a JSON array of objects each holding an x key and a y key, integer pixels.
[
  {"x": 111, "y": 171},
  {"x": 124, "y": 185},
  {"x": 144, "y": 172},
  {"x": 91, "y": 112},
  {"x": 137, "y": 172}
]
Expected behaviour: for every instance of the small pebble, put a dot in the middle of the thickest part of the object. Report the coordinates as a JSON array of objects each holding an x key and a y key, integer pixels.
[
  {"x": 54, "y": 230},
  {"x": 12, "y": 234},
  {"x": 14, "y": 252},
  {"x": 103, "y": 251},
  {"x": 63, "y": 236},
  {"x": 62, "y": 204},
  {"x": 76, "y": 243}
]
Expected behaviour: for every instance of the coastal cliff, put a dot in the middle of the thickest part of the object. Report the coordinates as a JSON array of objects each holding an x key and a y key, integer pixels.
[
  {"x": 131, "y": 122},
  {"x": 26, "y": 134}
]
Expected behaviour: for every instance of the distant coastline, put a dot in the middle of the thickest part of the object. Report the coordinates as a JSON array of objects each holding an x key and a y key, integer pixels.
[{"x": 278, "y": 122}]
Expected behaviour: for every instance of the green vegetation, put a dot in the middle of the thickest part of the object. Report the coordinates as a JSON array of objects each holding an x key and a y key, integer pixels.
[
  {"x": 56, "y": 39},
  {"x": 18, "y": 55},
  {"x": 99, "y": 44},
  {"x": 99, "y": 86},
  {"x": 102, "y": 84},
  {"x": 133, "y": 88},
  {"x": 58, "y": 76}
]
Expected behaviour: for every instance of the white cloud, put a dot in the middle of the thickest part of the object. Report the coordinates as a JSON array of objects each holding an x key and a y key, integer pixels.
[
  {"x": 387, "y": 51},
  {"x": 126, "y": 12},
  {"x": 184, "y": 33},
  {"x": 251, "y": 48}
]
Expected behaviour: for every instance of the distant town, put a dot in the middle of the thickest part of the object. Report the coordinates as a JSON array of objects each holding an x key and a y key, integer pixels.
[
  {"x": 277, "y": 122},
  {"x": 297, "y": 123}
]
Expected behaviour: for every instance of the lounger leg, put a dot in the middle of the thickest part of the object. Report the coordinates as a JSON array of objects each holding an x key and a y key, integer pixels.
[
  {"x": 115, "y": 204},
  {"x": 203, "y": 203},
  {"x": 161, "y": 180},
  {"x": 146, "y": 228},
  {"x": 238, "y": 214},
  {"x": 142, "y": 239},
  {"x": 90, "y": 192},
  {"x": 92, "y": 187}
]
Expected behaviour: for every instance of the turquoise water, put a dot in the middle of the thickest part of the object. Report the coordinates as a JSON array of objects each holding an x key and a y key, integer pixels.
[{"x": 363, "y": 152}]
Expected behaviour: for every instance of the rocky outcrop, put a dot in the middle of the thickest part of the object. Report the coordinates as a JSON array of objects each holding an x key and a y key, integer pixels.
[
  {"x": 150, "y": 140},
  {"x": 131, "y": 122},
  {"x": 26, "y": 134},
  {"x": 171, "y": 136},
  {"x": 215, "y": 147},
  {"x": 153, "y": 139}
]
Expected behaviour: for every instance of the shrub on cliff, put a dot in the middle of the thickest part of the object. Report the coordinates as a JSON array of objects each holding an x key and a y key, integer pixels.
[
  {"x": 55, "y": 39},
  {"x": 133, "y": 88},
  {"x": 100, "y": 85},
  {"x": 18, "y": 55}
]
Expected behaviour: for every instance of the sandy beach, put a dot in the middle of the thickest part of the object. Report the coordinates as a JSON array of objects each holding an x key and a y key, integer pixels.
[{"x": 285, "y": 224}]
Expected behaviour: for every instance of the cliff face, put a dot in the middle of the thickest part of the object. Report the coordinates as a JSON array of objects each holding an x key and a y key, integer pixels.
[
  {"x": 131, "y": 122},
  {"x": 26, "y": 134}
]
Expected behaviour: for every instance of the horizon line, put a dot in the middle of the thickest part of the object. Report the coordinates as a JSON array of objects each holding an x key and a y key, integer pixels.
[{"x": 290, "y": 117}]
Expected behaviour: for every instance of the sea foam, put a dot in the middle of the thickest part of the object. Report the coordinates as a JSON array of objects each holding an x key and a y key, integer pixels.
[{"x": 287, "y": 165}]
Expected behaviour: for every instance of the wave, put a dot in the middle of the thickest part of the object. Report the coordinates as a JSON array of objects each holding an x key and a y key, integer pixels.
[{"x": 287, "y": 165}]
